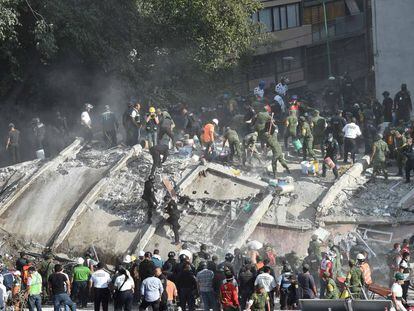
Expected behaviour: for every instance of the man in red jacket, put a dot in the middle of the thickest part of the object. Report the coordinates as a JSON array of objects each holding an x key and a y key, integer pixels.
[{"x": 229, "y": 293}]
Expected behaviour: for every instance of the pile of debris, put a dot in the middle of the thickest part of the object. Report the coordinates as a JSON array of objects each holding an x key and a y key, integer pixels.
[
  {"x": 372, "y": 199},
  {"x": 123, "y": 196}
]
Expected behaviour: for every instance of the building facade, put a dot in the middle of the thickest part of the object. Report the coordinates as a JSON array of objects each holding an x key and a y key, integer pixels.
[{"x": 296, "y": 44}]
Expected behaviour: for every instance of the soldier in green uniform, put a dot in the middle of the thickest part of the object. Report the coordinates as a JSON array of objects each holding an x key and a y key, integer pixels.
[
  {"x": 318, "y": 130},
  {"x": 315, "y": 247},
  {"x": 354, "y": 279},
  {"x": 234, "y": 143},
  {"x": 331, "y": 288},
  {"x": 399, "y": 142},
  {"x": 249, "y": 148},
  {"x": 291, "y": 127},
  {"x": 379, "y": 151},
  {"x": 337, "y": 262},
  {"x": 262, "y": 119},
  {"x": 277, "y": 154},
  {"x": 307, "y": 136}
]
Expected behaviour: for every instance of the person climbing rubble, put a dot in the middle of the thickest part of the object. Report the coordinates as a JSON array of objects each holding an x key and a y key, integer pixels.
[
  {"x": 232, "y": 137},
  {"x": 149, "y": 197},
  {"x": 152, "y": 124},
  {"x": 277, "y": 154},
  {"x": 173, "y": 217},
  {"x": 208, "y": 137}
]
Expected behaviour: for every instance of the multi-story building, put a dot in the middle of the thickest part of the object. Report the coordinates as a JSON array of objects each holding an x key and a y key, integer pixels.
[{"x": 297, "y": 46}]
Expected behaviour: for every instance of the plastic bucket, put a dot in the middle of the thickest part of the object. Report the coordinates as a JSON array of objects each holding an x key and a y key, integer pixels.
[
  {"x": 329, "y": 162},
  {"x": 304, "y": 165},
  {"x": 286, "y": 188},
  {"x": 297, "y": 144},
  {"x": 313, "y": 167}
]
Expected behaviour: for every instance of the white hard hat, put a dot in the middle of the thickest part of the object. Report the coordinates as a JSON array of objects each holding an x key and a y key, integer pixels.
[
  {"x": 360, "y": 256},
  {"x": 80, "y": 261},
  {"x": 215, "y": 121},
  {"x": 88, "y": 106},
  {"x": 127, "y": 259},
  {"x": 141, "y": 254}
]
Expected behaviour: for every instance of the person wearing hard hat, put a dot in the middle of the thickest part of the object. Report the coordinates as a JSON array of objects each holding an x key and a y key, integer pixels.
[
  {"x": 209, "y": 135},
  {"x": 397, "y": 292},
  {"x": 151, "y": 127},
  {"x": 365, "y": 268},
  {"x": 80, "y": 277},
  {"x": 86, "y": 123}
]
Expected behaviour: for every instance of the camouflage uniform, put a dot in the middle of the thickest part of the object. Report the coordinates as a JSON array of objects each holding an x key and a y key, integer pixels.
[
  {"x": 307, "y": 148},
  {"x": 379, "y": 151},
  {"x": 277, "y": 154},
  {"x": 234, "y": 143}
]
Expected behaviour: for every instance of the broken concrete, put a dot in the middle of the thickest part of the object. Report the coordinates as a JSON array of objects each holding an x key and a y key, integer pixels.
[
  {"x": 53, "y": 164},
  {"x": 407, "y": 202},
  {"x": 366, "y": 220},
  {"x": 348, "y": 180},
  {"x": 92, "y": 196}
]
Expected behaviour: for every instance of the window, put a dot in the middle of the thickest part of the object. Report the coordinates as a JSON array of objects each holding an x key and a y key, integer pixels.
[
  {"x": 265, "y": 17},
  {"x": 279, "y": 17}
]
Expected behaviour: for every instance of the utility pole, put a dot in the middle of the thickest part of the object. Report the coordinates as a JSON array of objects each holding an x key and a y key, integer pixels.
[{"x": 328, "y": 48}]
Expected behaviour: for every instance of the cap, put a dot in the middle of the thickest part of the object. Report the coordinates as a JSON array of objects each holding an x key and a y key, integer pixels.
[
  {"x": 11, "y": 124},
  {"x": 171, "y": 254},
  {"x": 80, "y": 261},
  {"x": 107, "y": 107},
  {"x": 141, "y": 254},
  {"x": 385, "y": 93},
  {"x": 152, "y": 110},
  {"x": 215, "y": 121},
  {"x": 88, "y": 106}
]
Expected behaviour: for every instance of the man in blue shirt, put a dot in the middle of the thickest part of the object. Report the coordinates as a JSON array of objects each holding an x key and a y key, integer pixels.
[{"x": 151, "y": 291}]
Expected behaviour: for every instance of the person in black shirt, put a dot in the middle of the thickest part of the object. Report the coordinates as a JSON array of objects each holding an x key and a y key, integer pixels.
[
  {"x": 149, "y": 197},
  {"x": 174, "y": 216},
  {"x": 331, "y": 147},
  {"x": 192, "y": 125},
  {"x": 156, "y": 152},
  {"x": 408, "y": 151},
  {"x": 187, "y": 287},
  {"x": 388, "y": 106},
  {"x": 336, "y": 125},
  {"x": 146, "y": 267},
  {"x": 12, "y": 145},
  {"x": 59, "y": 286}
]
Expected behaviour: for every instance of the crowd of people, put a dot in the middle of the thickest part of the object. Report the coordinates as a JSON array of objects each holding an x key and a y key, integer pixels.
[{"x": 249, "y": 279}]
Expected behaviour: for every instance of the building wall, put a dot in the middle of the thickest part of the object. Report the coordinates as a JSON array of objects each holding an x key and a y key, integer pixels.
[{"x": 393, "y": 36}]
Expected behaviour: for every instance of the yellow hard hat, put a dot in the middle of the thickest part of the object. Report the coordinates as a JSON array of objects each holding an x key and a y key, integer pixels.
[{"x": 152, "y": 110}]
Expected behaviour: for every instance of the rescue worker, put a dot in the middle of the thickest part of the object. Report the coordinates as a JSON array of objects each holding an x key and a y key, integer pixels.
[
  {"x": 337, "y": 123},
  {"x": 13, "y": 144},
  {"x": 307, "y": 136},
  {"x": 258, "y": 91},
  {"x": 291, "y": 127},
  {"x": 86, "y": 123},
  {"x": 332, "y": 291},
  {"x": 315, "y": 246},
  {"x": 365, "y": 269},
  {"x": 131, "y": 120},
  {"x": 336, "y": 258},
  {"x": 157, "y": 152},
  {"x": 351, "y": 132},
  {"x": 149, "y": 197},
  {"x": 354, "y": 280},
  {"x": 277, "y": 154},
  {"x": 39, "y": 133},
  {"x": 282, "y": 286},
  {"x": 192, "y": 125},
  {"x": 369, "y": 133},
  {"x": 397, "y": 292},
  {"x": 399, "y": 142},
  {"x": 318, "y": 130},
  {"x": 282, "y": 87},
  {"x": 208, "y": 137},
  {"x": 331, "y": 148},
  {"x": 234, "y": 143},
  {"x": 388, "y": 106},
  {"x": 151, "y": 127},
  {"x": 262, "y": 119},
  {"x": 403, "y": 104},
  {"x": 249, "y": 148},
  {"x": 61, "y": 123},
  {"x": 110, "y": 127},
  {"x": 173, "y": 218},
  {"x": 378, "y": 156},
  {"x": 166, "y": 125},
  {"x": 408, "y": 152},
  {"x": 314, "y": 263},
  {"x": 325, "y": 268}
]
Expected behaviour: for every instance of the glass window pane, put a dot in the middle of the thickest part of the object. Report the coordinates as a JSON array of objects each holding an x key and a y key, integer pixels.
[
  {"x": 283, "y": 23},
  {"x": 265, "y": 17},
  {"x": 276, "y": 18},
  {"x": 292, "y": 18}
]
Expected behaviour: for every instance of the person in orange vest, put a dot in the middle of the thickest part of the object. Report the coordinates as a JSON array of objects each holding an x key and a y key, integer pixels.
[
  {"x": 208, "y": 136},
  {"x": 365, "y": 268}
]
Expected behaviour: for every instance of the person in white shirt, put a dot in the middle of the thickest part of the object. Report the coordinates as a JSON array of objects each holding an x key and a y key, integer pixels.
[
  {"x": 86, "y": 122},
  {"x": 99, "y": 281},
  {"x": 351, "y": 132},
  {"x": 397, "y": 292},
  {"x": 282, "y": 88},
  {"x": 268, "y": 282},
  {"x": 3, "y": 294},
  {"x": 124, "y": 287},
  {"x": 279, "y": 100}
]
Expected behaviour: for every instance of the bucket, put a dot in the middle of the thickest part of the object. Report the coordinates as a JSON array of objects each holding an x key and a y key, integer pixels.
[
  {"x": 297, "y": 144},
  {"x": 313, "y": 167},
  {"x": 40, "y": 154},
  {"x": 285, "y": 188},
  {"x": 304, "y": 165},
  {"x": 329, "y": 162}
]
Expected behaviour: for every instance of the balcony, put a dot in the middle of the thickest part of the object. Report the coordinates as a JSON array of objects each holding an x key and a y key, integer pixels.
[{"x": 339, "y": 28}]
